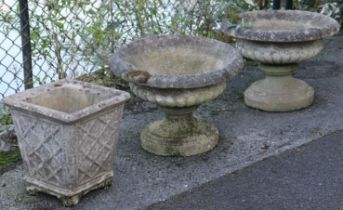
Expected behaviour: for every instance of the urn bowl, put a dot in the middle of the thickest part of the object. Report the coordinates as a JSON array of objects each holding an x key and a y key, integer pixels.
[
  {"x": 178, "y": 73},
  {"x": 279, "y": 40}
]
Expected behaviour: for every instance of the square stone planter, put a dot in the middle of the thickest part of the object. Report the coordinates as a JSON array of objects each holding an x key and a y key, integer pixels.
[{"x": 67, "y": 134}]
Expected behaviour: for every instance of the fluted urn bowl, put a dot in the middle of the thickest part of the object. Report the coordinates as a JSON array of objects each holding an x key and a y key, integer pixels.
[
  {"x": 178, "y": 73},
  {"x": 279, "y": 40}
]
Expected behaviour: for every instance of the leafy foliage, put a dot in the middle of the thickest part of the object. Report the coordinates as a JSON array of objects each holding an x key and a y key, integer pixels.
[
  {"x": 5, "y": 117},
  {"x": 77, "y": 37},
  {"x": 8, "y": 160},
  {"x": 332, "y": 8}
]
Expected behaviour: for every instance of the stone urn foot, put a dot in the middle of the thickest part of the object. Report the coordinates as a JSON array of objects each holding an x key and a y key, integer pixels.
[
  {"x": 179, "y": 133},
  {"x": 279, "y": 91},
  {"x": 70, "y": 201}
]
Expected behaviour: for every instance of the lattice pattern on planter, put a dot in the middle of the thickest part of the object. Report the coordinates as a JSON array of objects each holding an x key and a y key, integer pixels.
[
  {"x": 48, "y": 160},
  {"x": 96, "y": 145},
  {"x": 40, "y": 148}
]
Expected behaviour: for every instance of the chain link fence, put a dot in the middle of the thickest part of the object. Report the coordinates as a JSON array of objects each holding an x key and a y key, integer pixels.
[
  {"x": 58, "y": 39},
  {"x": 46, "y": 40},
  {"x": 42, "y": 41}
]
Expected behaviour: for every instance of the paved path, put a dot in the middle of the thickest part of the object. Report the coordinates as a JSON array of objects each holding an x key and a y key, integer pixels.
[{"x": 309, "y": 177}]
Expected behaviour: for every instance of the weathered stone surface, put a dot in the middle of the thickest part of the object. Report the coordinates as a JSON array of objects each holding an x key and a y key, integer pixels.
[
  {"x": 3, "y": 109},
  {"x": 279, "y": 91},
  {"x": 179, "y": 134},
  {"x": 7, "y": 134},
  {"x": 178, "y": 73},
  {"x": 278, "y": 40},
  {"x": 279, "y": 94},
  {"x": 179, "y": 97},
  {"x": 283, "y": 26},
  {"x": 279, "y": 53},
  {"x": 67, "y": 134},
  {"x": 177, "y": 61},
  {"x": 7, "y": 138}
]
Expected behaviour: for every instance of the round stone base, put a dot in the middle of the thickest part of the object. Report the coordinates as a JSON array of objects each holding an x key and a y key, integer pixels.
[
  {"x": 179, "y": 137},
  {"x": 279, "y": 94}
]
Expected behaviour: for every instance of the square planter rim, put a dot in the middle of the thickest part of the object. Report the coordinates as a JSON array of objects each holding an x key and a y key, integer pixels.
[{"x": 19, "y": 101}]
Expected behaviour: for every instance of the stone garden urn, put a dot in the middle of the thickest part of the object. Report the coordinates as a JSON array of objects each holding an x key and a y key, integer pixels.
[
  {"x": 279, "y": 40},
  {"x": 67, "y": 134},
  {"x": 178, "y": 73}
]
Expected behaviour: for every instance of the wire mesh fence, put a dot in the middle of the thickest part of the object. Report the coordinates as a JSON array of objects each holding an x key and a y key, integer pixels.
[
  {"x": 71, "y": 38},
  {"x": 46, "y": 40},
  {"x": 67, "y": 39}
]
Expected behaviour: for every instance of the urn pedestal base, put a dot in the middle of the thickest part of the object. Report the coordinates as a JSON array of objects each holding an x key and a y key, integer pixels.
[
  {"x": 279, "y": 91},
  {"x": 179, "y": 134}
]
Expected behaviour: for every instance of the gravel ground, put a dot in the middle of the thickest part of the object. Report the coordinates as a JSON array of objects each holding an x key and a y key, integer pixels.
[{"x": 247, "y": 136}]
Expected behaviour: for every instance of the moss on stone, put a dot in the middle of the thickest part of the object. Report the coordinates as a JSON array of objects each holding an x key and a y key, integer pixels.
[
  {"x": 8, "y": 160},
  {"x": 104, "y": 76}
]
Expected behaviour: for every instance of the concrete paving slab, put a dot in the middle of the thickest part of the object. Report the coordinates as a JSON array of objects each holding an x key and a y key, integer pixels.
[{"x": 247, "y": 136}]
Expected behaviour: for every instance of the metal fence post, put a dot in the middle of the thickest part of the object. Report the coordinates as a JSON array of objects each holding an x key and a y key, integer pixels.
[
  {"x": 276, "y": 4},
  {"x": 289, "y": 4},
  {"x": 26, "y": 43}
]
